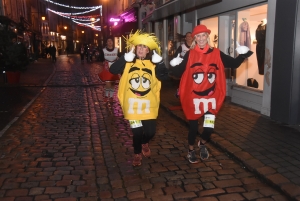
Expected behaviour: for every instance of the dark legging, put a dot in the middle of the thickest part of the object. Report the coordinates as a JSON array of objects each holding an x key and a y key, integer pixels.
[
  {"x": 193, "y": 132},
  {"x": 143, "y": 135}
]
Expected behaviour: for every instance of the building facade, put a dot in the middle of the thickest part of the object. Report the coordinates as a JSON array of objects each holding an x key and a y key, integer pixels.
[{"x": 268, "y": 81}]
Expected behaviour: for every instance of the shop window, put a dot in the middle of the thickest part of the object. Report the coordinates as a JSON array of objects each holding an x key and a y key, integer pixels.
[
  {"x": 212, "y": 24},
  {"x": 251, "y": 32},
  {"x": 171, "y": 40}
]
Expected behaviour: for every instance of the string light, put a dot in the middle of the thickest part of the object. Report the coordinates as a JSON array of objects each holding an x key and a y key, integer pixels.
[
  {"x": 80, "y": 19},
  {"x": 98, "y": 28},
  {"x": 75, "y": 7},
  {"x": 72, "y": 18},
  {"x": 87, "y": 23},
  {"x": 78, "y": 13},
  {"x": 84, "y": 20}
]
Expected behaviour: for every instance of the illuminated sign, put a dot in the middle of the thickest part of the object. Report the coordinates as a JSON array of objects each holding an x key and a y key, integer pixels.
[{"x": 114, "y": 20}]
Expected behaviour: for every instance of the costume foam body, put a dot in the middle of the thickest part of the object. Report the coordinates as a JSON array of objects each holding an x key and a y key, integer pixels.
[
  {"x": 203, "y": 85},
  {"x": 139, "y": 90}
]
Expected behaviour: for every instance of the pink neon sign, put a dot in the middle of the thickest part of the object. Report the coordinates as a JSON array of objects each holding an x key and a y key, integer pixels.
[{"x": 114, "y": 20}]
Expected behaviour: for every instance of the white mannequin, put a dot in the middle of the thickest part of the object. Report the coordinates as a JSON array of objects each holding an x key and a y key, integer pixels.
[{"x": 263, "y": 22}]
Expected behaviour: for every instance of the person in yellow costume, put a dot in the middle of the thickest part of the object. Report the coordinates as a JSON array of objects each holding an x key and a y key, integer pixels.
[{"x": 142, "y": 70}]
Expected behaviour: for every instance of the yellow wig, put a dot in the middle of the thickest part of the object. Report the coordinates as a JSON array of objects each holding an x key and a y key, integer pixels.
[{"x": 143, "y": 38}]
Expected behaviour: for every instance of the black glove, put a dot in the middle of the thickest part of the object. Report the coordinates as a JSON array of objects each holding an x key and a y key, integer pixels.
[{"x": 248, "y": 54}]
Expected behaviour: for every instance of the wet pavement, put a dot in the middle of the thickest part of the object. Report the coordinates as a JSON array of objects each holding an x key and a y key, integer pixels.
[{"x": 68, "y": 144}]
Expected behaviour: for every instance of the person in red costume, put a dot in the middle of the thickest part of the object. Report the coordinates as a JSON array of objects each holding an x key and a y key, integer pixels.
[
  {"x": 202, "y": 86},
  {"x": 108, "y": 56}
]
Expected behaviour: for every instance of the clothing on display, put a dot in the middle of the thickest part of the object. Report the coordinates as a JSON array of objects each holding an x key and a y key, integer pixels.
[
  {"x": 251, "y": 82},
  {"x": 245, "y": 37},
  {"x": 260, "y": 46}
]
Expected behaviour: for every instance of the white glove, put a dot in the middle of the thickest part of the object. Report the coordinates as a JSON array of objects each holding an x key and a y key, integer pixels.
[
  {"x": 155, "y": 57},
  {"x": 129, "y": 56},
  {"x": 241, "y": 49},
  {"x": 176, "y": 61}
]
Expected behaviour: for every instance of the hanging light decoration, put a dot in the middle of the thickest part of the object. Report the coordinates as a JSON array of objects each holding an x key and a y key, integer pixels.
[
  {"x": 78, "y": 13},
  {"x": 75, "y": 7},
  {"x": 80, "y": 19}
]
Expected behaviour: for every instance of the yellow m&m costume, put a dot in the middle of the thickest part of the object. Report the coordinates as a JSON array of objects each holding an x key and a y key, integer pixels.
[{"x": 139, "y": 89}]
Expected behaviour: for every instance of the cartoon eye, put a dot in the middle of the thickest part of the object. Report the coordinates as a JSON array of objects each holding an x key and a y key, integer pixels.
[
  {"x": 211, "y": 77},
  {"x": 198, "y": 77},
  {"x": 135, "y": 81},
  {"x": 145, "y": 83}
]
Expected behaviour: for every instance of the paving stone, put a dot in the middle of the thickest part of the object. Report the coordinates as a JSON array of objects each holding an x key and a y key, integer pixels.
[
  {"x": 184, "y": 195},
  {"x": 277, "y": 179},
  {"x": 228, "y": 183},
  {"x": 232, "y": 196},
  {"x": 17, "y": 192}
]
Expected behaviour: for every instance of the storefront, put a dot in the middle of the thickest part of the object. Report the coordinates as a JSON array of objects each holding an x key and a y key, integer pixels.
[
  {"x": 121, "y": 26},
  {"x": 246, "y": 26},
  {"x": 230, "y": 22}
]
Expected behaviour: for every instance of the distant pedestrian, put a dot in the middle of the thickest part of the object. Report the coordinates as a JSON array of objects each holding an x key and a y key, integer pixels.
[
  {"x": 67, "y": 50},
  {"x": 108, "y": 56},
  {"x": 139, "y": 89},
  {"x": 203, "y": 86},
  {"x": 52, "y": 51},
  {"x": 82, "y": 54}
]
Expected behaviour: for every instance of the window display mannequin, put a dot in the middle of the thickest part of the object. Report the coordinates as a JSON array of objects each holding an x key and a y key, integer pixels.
[
  {"x": 260, "y": 46},
  {"x": 245, "y": 38}
]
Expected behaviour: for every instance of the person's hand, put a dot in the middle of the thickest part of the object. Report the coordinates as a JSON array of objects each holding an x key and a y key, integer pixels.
[
  {"x": 155, "y": 57},
  {"x": 130, "y": 55},
  {"x": 246, "y": 55},
  {"x": 176, "y": 61},
  {"x": 241, "y": 49}
]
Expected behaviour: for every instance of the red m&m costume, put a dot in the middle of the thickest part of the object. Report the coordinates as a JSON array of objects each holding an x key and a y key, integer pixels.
[{"x": 203, "y": 86}]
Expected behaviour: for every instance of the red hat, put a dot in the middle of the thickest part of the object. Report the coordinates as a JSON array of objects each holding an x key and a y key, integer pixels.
[{"x": 200, "y": 29}]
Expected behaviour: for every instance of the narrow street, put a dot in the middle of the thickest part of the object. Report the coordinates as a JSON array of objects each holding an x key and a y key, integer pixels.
[{"x": 70, "y": 145}]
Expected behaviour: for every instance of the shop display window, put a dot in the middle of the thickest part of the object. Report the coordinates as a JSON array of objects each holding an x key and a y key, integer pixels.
[
  {"x": 251, "y": 32},
  {"x": 171, "y": 39},
  {"x": 212, "y": 24}
]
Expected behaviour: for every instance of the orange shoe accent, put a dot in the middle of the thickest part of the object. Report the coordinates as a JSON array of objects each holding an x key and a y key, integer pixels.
[
  {"x": 137, "y": 160},
  {"x": 146, "y": 150}
]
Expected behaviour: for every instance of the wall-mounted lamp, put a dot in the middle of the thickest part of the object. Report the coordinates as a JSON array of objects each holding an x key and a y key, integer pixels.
[
  {"x": 96, "y": 34},
  {"x": 82, "y": 31},
  {"x": 43, "y": 18},
  {"x": 65, "y": 27}
]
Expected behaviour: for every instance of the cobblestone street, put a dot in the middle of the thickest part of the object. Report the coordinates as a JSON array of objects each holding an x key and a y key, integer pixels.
[{"x": 70, "y": 145}]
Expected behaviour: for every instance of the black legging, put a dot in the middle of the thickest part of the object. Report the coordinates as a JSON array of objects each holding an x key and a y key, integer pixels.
[
  {"x": 193, "y": 132},
  {"x": 143, "y": 135}
]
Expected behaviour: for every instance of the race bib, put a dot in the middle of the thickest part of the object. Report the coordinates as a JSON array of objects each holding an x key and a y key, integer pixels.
[
  {"x": 209, "y": 121},
  {"x": 135, "y": 123}
]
